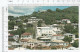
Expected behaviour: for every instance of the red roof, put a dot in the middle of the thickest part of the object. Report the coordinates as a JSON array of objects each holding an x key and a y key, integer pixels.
[
  {"x": 24, "y": 40},
  {"x": 26, "y": 33},
  {"x": 11, "y": 35}
]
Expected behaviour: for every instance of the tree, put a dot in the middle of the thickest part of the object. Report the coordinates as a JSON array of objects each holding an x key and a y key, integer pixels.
[
  {"x": 58, "y": 10},
  {"x": 49, "y": 10},
  {"x": 39, "y": 23},
  {"x": 76, "y": 43},
  {"x": 26, "y": 20},
  {"x": 29, "y": 25},
  {"x": 11, "y": 25},
  {"x": 68, "y": 28},
  {"x": 18, "y": 32},
  {"x": 67, "y": 39},
  {"x": 11, "y": 18}
]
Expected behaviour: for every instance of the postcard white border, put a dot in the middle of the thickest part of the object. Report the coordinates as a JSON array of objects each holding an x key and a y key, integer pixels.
[{"x": 6, "y": 28}]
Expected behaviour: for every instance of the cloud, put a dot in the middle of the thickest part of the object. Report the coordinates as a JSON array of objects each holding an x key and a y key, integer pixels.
[
  {"x": 27, "y": 10},
  {"x": 20, "y": 10}
]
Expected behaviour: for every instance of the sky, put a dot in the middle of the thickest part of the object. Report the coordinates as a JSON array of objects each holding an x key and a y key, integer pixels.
[{"x": 27, "y": 10}]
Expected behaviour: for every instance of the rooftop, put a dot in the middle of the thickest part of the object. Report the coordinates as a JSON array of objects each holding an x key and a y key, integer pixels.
[
  {"x": 10, "y": 35},
  {"x": 24, "y": 40},
  {"x": 68, "y": 34},
  {"x": 33, "y": 40},
  {"x": 59, "y": 41},
  {"x": 44, "y": 38},
  {"x": 26, "y": 33}
]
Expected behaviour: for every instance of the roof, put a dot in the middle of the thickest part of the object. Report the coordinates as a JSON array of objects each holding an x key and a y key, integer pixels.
[
  {"x": 10, "y": 35},
  {"x": 68, "y": 34},
  {"x": 58, "y": 35},
  {"x": 44, "y": 38},
  {"x": 33, "y": 40},
  {"x": 24, "y": 40},
  {"x": 26, "y": 33},
  {"x": 58, "y": 41},
  {"x": 65, "y": 19}
]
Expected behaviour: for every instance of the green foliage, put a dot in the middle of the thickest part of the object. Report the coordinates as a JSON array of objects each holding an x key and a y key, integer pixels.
[
  {"x": 39, "y": 23},
  {"x": 26, "y": 20},
  {"x": 11, "y": 25},
  {"x": 68, "y": 28},
  {"x": 18, "y": 32},
  {"x": 67, "y": 39},
  {"x": 11, "y": 18},
  {"x": 50, "y": 16},
  {"x": 49, "y": 10},
  {"x": 76, "y": 44},
  {"x": 29, "y": 25},
  {"x": 58, "y": 10}
]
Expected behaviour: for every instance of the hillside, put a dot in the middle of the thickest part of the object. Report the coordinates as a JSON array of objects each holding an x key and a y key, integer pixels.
[{"x": 50, "y": 16}]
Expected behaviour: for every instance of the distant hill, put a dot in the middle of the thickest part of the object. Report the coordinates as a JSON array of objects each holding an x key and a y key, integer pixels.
[
  {"x": 50, "y": 16},
  {"x": 73, "y": 8}
]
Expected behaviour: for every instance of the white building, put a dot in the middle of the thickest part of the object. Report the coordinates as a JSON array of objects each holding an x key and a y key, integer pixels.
[
  {"x": 16, "y": 27},
  {"x": 47, "y": 31},
  {"x": 33, "y": 19},
  {"x": 24, "y": 23},
  {"x": 57, "y": 37},
  {"x": 66, "y": 20},
  {"x": 29, "y": 42},
  {"x": 26, "y": 36},
  {"x": 59, "y": 42}
]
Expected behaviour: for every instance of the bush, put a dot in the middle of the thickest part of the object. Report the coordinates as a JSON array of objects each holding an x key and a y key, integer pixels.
[{"x": 76, "y": 44}]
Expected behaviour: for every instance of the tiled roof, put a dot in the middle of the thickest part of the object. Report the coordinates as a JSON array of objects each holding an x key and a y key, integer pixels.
[
  {"x": 26, "y": 33},
  {"x": 11, "y": 35},
  {"x": 58, "y": 41},
  {"x": 33, "y": 40},
  {"x": 24, "y": 40}
]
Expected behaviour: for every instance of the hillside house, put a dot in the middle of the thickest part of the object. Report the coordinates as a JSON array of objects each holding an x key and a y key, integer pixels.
[
  {"x": 66, "y": 20},
  {"x": 16, "y": 27},
  {"x": 15, "y": 44},
  {"x": 26, "y": 36},
  {"x": 59, "y": 42},
  {"x": 10, "y": 37},
  {"x": 24, "y": 24},
  {"x": 47, "y": 31},
  {"x": 75, "y": 25},
  {"x": 57, "y": 37},
  {"x": 33, "y": 19},
  {"x": 24, "y": 41}
]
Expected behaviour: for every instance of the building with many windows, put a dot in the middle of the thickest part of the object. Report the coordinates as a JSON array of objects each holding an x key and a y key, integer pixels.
[
  {"x": 33, "y": 19},
  {"x": 47, "y": 31}
]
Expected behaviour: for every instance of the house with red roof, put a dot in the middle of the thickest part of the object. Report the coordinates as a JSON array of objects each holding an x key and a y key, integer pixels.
[
  {"x": 26, "y": 36},
  {"x": 10, "y": 37}
]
